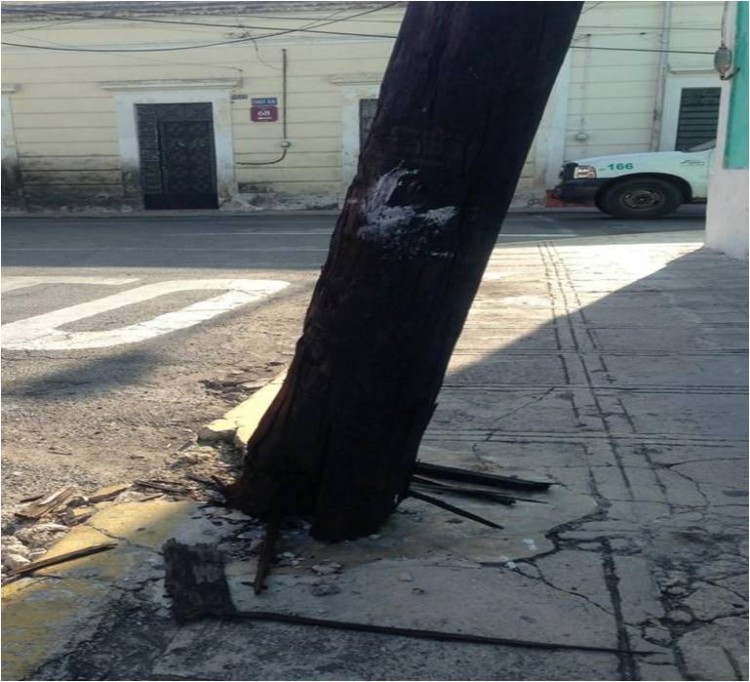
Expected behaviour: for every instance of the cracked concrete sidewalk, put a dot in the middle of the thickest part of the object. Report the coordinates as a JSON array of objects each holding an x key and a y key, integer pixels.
[{"x": 615, "y": 368}]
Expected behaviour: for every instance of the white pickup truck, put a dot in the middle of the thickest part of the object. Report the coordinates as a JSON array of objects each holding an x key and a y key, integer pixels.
[{"x": 644, "y": 185}]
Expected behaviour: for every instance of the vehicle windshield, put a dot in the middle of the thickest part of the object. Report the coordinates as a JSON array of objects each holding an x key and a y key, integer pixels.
[{"x": 703, "y": 146}]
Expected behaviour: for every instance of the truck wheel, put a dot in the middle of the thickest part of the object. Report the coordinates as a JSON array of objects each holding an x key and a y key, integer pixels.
[{"x": 640, "y": 198}]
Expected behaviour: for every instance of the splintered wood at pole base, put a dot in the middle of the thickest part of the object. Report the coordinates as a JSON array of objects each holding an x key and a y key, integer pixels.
[{"x": 462, "y": 97}]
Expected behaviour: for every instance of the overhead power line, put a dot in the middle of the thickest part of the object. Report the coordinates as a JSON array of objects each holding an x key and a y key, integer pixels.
[
  {"x": 277, "y": 32},
  {"x": 61, "y": 15},
  {"x": 312, "y": 27},
  {"x": 252, "y": 39}
]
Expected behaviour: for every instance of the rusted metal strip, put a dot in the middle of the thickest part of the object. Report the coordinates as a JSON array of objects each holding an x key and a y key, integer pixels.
[
  {"x": 484, "y": 494},
  {"x": 172, "y": 488},
  {"x": 452, "y": 508},
  {"x": 267, "y": 554},
  {"x": 472, "y": 491},
  {"x": 435, "y": 635},
  {"x": 464, "y": 476}
]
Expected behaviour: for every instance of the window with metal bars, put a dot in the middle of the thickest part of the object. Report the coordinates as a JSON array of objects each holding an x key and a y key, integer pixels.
[{"x": 699, "y": 116}]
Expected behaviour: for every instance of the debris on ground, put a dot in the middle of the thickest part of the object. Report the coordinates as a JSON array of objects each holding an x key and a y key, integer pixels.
[
  {"x": 36, "y": 510},
  {"x": 13, "y": 561},
  {"x": 61, "y": 558},
  {"x": 327, "y": 568},
  {"x": 240, "y": 385},
  {"x": 235, "y": 516},
  {"x": 41, "y": 534},
  {"x": 197, "y": 472},
  {"x": 172, "y": 487},
  {"x": 76, "y": 515},
  {"x": 218, "y": 430},
  {"x": 324, "y": 589},
  {"x": 108, "y": 492}
]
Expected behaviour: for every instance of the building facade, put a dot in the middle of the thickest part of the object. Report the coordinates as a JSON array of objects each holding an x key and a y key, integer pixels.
[
  {"x": 727, "y": 216},
  {"x": 130, "y": 105}
]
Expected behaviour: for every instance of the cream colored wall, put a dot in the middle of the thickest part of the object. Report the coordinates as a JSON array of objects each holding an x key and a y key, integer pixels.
[
  {"x": 66, "y": 127},
  {"x": 614, "y": 94},
  {"x": 65, "y": 121},
  {"x": 313, "y": 163}
]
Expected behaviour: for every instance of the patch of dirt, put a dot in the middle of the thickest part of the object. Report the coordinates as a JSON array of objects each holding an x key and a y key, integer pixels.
[{"x": 100, "y": 417}]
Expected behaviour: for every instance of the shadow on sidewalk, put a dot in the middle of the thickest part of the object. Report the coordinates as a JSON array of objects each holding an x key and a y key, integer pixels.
[
  {"x": 622, "y": 380},
  {"x": 612, "y": 374}
]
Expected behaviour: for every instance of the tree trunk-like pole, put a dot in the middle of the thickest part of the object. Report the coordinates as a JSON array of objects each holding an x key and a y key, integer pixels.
[{"x": 462, "y": 97}]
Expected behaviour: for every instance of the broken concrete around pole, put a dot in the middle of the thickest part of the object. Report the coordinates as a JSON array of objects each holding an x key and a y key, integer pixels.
[{"x": 643, "y": 539}]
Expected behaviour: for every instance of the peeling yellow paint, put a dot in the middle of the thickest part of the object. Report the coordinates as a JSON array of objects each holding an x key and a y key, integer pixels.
[
  {"x": 42, "y": 616},
  {"x": 39, "y": 622}
]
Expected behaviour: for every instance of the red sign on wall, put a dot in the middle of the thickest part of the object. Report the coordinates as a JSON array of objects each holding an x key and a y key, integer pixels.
[{"x": 264, "y": 113}]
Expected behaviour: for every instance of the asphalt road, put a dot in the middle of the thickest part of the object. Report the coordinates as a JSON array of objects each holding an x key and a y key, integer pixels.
[
  {"x": 119, "y": 342},
  {"x": 258, "y": 241}
]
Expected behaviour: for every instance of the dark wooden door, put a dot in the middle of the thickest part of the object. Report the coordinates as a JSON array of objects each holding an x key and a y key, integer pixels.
[{"x": 178, "y": 161}]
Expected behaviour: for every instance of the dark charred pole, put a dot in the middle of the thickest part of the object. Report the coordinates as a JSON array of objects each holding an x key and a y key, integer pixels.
[{"x": 462, "y": 97}]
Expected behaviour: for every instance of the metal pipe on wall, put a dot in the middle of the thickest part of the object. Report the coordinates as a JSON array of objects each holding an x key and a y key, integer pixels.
[
  {"x": 661, "y": 85},
  {"x": 284, "y": 141}
]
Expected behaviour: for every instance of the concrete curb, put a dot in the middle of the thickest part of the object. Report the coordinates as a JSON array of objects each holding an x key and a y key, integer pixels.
[
  {"x": 159, "y": 215},
  {"x": 61, "y": 606},
  {"x": 240, "y": 422},
  {"x": 199, "y": 214}
]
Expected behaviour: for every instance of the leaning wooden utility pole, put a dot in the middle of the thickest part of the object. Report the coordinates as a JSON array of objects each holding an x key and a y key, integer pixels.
[{"x": 462, "y": 97}]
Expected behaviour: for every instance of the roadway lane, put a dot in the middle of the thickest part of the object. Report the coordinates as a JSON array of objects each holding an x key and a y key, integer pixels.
[{"x": 257, "y": 241}]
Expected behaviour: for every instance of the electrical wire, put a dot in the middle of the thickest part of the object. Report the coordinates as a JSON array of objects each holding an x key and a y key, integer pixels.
[
  {"x": 151, "y": 61},
  {"x": 43, "y": 26},
  {"x": 244, "y": 40},
  {"x": 279, "y": 31},
  {"x": 638, "y": 49},
  {"x": 674, "y": 27},
  {"x": 306, "y": 28}
]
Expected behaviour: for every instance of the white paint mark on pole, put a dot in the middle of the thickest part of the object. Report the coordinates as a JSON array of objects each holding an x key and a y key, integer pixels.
[
  {"x": 21, "y": 282},
  {"x": 42, "y": 331}
]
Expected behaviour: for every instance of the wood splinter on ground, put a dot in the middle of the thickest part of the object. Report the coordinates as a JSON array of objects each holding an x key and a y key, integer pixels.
[
  {"x": 62, "y": 558},
  {"x": 173, "y": 488},
  {"x": 108, "y": 492},
  {"x": 38, "y": 509}
]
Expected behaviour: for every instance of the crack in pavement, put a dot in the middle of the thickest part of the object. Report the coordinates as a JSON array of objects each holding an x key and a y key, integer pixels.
[
  {"x": 545, "y": 581},
  {"x": 491, "y": 426}
]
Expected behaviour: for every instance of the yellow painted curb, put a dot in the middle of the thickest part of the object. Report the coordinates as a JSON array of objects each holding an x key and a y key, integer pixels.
[
  {"x": 247, "y": 415},
  {"x": 43, "y": 615}
]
